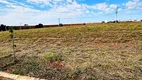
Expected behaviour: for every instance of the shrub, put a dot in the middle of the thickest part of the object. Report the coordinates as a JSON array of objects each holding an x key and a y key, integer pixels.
[
  {"x": 7, "y": 27},
  {"x": 84, "y": 23},
  {"x": 53, "y": 57},
  {"x": 39, "y": 25},
  {"x": 13, "y": 44},
  {"x": 2, "y": 27},
  {"x": 60, "y": 25}
]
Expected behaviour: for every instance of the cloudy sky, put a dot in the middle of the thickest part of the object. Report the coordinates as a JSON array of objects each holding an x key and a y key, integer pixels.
[{"x": 32, "y": 12}]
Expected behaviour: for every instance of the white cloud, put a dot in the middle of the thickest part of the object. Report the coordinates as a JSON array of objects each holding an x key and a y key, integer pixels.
[
  {"x": 104, "y": 7},
  {"x": 134, "y": 4},
  {"x": 4, "y": 1},
  {"x": 72, "y": 4},
  {"x": 16, "y": 13},
  {"x": 101, "y": 6},
  {"x": 45, "y": 2},
  {"x": 50, "y": 3},
  {"x": 69, "y": 11},
  {"x": 113, "y": 6}
]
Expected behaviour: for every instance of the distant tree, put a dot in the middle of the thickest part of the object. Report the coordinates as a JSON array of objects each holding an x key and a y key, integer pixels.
[
  {"x": 39, "y": 25},
  {"x": 7, "y": 27},
  {"x": 103, "y": 22},
  {"x": 60, "y": 25},
  {"x": 116, "y": 21},
  {"x": 84, "y": 23},
  {"x": 2, "y": 27}
]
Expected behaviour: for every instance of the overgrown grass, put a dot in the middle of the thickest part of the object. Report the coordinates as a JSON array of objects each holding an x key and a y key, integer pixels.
[
  {"x": 85, "y": 31},
  {"x": 90, "y": 52},
  {"x": 5, "y": 50}
]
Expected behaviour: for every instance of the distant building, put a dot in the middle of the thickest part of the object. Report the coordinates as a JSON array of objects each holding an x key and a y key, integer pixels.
[{"x": 25, "y": 24}]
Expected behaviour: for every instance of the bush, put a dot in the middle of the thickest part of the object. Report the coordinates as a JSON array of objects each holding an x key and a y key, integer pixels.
[
  {"x": 39, "y": 25},
  {"x": 53, "y": 57},
  {"x": 60, "y": 25},
  {"x": 103, "y": 22},
  {"x": 7, "y": 27},
  {"x": 2, "y": 27},
  {"x": 116, "y": 21}
]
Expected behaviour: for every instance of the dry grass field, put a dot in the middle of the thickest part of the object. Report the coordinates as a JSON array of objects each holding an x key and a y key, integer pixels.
[{"x": 110, "y": 51}]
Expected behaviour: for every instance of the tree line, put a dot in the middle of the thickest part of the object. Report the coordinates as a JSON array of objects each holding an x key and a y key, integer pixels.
[{"x": 5, "y": 28}]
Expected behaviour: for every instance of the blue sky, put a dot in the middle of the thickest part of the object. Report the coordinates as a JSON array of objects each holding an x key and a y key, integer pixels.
[{"x": 32, "y": 12}]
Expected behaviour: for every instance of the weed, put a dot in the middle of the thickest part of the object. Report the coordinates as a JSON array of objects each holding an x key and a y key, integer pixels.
[
  {"x": 13, "y": 45},
  {"x": 53, "y": 57}
]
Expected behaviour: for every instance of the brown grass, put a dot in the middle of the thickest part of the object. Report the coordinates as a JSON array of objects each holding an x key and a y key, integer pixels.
[{"x": 90, "y": 52}]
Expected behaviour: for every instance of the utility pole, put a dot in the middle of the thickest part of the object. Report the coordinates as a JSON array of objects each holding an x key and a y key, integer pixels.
[
  {"x": 116, "y": 14},
  {"x": 20, "y": 25},
  {"x": 59, "y": 20}
]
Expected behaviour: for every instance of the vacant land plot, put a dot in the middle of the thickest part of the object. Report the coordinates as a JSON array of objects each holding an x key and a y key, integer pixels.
[{"x": 90, "y": 52}]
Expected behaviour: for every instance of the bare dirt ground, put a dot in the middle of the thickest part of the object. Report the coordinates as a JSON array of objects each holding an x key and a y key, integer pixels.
[{"x": 3, "y": 78}]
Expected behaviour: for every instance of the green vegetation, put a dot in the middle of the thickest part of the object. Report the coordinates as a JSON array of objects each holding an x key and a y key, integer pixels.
[
  {"x": 13, "y": 45},
  {"x": 52, "y": 57},
  {"x": 89, "y": 52}
]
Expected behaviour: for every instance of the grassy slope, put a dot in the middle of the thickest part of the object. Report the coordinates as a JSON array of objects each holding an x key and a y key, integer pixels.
[{"x": 99, "y": 51}]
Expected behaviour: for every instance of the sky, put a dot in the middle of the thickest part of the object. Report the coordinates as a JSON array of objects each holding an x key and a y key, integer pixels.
[{"x": 33, "y": 12}]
